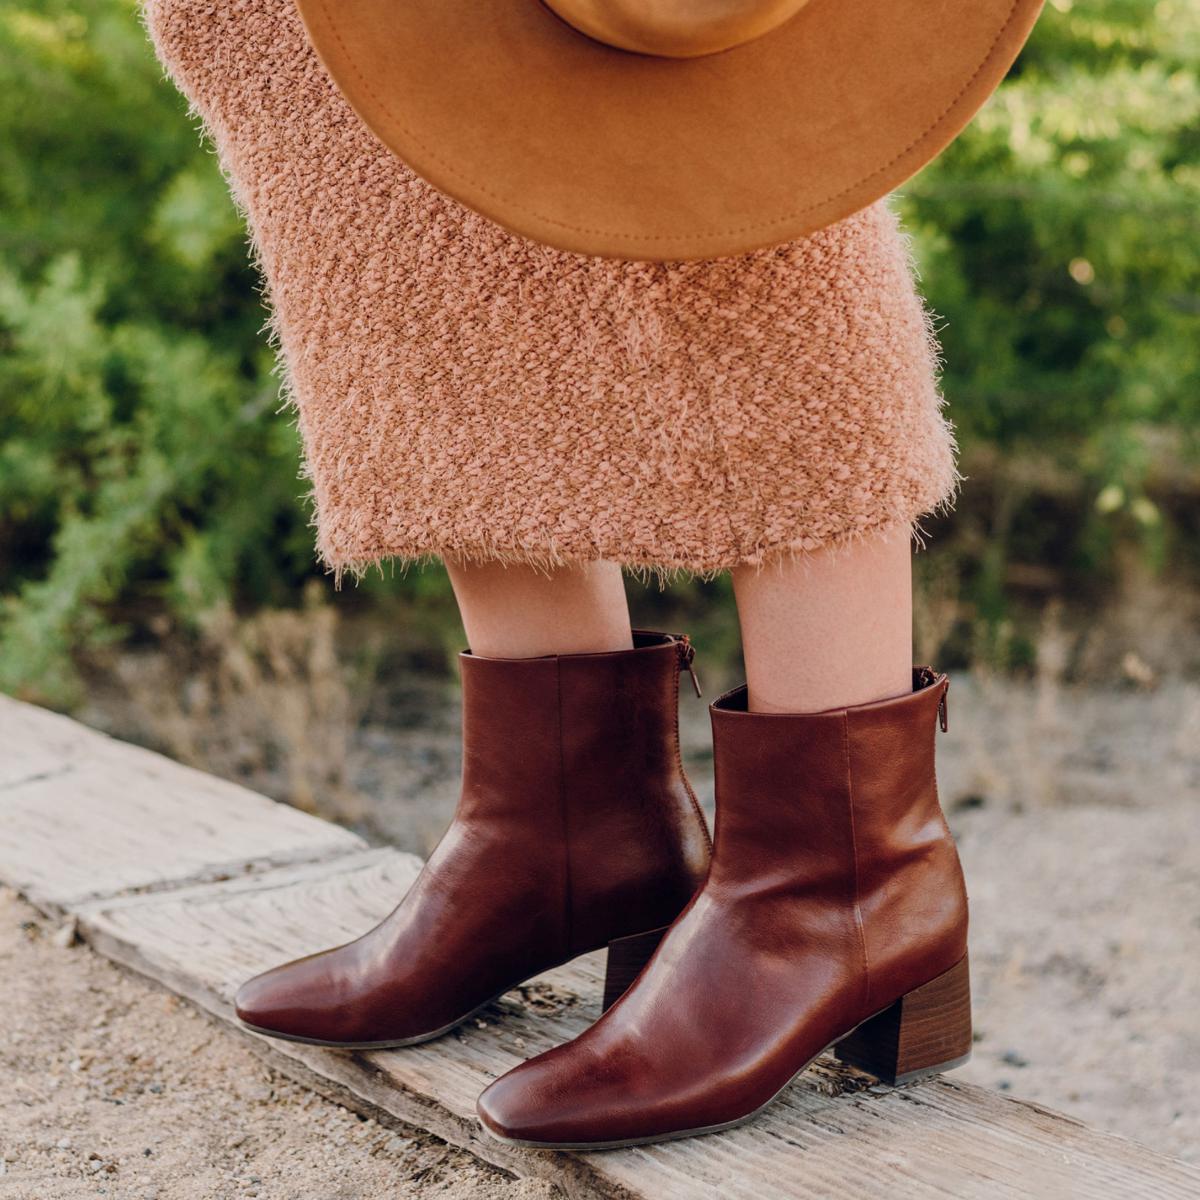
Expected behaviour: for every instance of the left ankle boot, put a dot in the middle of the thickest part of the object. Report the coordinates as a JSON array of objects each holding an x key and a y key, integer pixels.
[
  {"x": 834, "y": 914},
  {"x": 575, "y": 829}
]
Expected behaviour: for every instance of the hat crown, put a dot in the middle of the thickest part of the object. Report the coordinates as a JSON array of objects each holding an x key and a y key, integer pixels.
[{"x": 675, "y": 28}]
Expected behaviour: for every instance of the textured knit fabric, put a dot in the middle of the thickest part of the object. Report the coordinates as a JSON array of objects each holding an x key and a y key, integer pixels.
[{"x": 464, "y": 392}]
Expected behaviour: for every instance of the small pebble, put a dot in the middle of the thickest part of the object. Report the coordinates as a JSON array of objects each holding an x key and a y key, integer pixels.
[{"x": 66, "y": 935}]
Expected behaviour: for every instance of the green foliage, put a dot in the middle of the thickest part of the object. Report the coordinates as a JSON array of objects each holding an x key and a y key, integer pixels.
[
  {"x": 142, "y": 465},
  {"x": 1059, "y": 241},
  {"x": 145, "y": 472}
]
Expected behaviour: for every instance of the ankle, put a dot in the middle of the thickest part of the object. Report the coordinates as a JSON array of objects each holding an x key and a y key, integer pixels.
[
  {"x": 826, "y": 693},
  {"x": 534, "y": 643}
]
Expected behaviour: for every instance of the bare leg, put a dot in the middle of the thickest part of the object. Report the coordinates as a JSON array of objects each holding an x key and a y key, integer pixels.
[
  {"x": 830, "y": 630},
  {"x": 520, "y": 612}
]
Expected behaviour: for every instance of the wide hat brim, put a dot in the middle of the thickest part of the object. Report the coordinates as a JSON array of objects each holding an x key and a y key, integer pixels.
[{"x": 562, "y": 139}]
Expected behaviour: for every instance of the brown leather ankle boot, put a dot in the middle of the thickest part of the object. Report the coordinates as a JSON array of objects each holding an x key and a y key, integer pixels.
[
  {"x": 576, "y": 828},
  {"x": 834, "y": 913}
]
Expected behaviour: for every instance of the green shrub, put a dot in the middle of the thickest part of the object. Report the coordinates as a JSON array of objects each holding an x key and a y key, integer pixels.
[
  {"x": 142, "y": 465},
  {"x": 1059, "y": 241}
]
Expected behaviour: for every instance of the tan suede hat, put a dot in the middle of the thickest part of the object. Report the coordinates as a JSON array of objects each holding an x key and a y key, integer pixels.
[{"x": 667, "y": 129}]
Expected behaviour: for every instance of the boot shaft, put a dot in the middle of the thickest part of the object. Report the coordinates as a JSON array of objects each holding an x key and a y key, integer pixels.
[
  {"x": 583, "y": 750},
  {"x": 842, "y": 807}
]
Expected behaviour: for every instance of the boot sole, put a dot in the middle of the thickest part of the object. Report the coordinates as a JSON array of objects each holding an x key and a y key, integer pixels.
[
  {"x": 391, "y": 1044},
  {"x": 956, "y": 974}
]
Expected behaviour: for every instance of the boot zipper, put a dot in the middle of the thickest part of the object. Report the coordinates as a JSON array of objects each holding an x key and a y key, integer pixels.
[
  {"x": 687, "y": 655},
  {"x": 943, "y": 714}
]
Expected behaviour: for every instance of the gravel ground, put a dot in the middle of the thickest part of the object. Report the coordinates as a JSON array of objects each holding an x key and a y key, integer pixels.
[
  {"x": 110, "y": 1086},
  {"x": 1078, "y": 820}
]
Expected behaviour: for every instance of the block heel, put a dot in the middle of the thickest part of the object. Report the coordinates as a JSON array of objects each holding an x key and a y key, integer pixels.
[
  {"x": 925, "y": 1032},
  {"x": 626, "y": 958}
]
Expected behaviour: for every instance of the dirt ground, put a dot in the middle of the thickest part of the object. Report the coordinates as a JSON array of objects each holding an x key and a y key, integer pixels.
[
  {"x": 1077, "y": 811},
  {"x": 1078, "y": 820},
  {"x": 110, "y": 1086}
]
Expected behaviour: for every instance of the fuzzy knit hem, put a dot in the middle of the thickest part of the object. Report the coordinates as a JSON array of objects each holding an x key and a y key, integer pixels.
[
  {"x": 464, "y": 392},
  {"x": 660, "y": 566}
]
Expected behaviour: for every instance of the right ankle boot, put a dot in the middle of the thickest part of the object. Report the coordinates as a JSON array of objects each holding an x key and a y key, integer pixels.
[
  {"x": 576, "y": 829},
  {"x": 834, "y": 913}
]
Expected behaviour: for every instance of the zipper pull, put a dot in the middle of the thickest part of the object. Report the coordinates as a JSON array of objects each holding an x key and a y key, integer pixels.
[
  {"x": 943, "y": 715},
  {"x": 687, "y": 655}
]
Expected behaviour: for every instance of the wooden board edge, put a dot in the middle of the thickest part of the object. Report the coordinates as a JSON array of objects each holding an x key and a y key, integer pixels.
[
  {"x": 247, "y": 871},
  {"x": 281, "y": 872}
]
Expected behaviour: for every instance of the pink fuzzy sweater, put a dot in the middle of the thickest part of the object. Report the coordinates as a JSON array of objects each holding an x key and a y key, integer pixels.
[{"x": 464, "y": 392}]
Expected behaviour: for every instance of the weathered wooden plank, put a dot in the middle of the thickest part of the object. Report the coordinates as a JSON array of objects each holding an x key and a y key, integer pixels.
[
  {"x": 935, "y": 1139},
  {"x": 84, "y": 815}
]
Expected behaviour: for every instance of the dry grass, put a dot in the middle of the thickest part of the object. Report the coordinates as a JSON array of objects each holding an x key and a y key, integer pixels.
[{"x": 266, "y": 700}]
